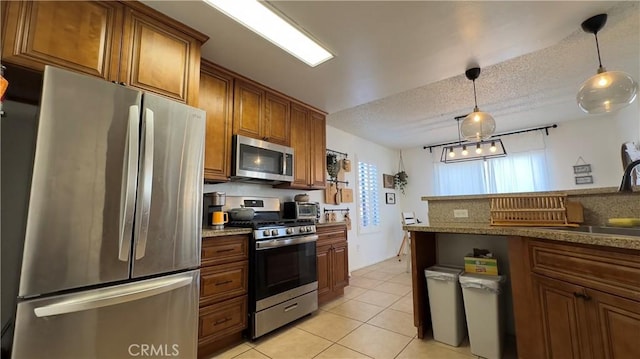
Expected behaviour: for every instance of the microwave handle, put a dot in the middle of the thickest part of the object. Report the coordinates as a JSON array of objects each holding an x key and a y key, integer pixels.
[{"x": 284, "y": 164}]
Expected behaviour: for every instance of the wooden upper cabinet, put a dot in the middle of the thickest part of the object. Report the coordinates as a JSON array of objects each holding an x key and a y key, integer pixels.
[
  {"x": 277, "y": 127},
  {"x": 308, "y": 137},
  {"x": 125, "y": 41},
  {"x": 300, "y": 138},
  {"x": 216, "y": 98},
  {"x": 248, "y": 107},
  {"x": 83, "y": 36},
  {"x": 261, "y": 114},
  {"x": 160, "y": 58},
  {"x": 318, "y": 132}
]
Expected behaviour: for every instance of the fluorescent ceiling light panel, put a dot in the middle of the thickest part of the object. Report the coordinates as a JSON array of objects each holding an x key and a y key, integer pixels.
[{"x": 264, "y": 22}]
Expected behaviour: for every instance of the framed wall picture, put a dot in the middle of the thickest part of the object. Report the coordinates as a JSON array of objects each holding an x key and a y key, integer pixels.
[
  {"x": 387, "y": 181},
  {"x": 584, "y": 179},
  {"x": 390, "y": 198}
]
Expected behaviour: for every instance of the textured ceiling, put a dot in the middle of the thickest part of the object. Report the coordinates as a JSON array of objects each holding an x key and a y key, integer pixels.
[{"x": 398, "y": 75}]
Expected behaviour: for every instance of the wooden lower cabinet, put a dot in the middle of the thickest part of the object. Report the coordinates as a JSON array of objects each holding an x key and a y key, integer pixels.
[
  {"x": 332, "y": 262},
  {"x": 223, "y": 292},
  {"x": 575, "y": 301}
]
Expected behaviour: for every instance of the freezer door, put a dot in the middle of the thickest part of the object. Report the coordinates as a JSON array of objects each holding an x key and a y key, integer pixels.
[
  {"x": 80, "y": 216},
  {"x": 150, "y": 318},
  {"x": 169, "y": 198}
]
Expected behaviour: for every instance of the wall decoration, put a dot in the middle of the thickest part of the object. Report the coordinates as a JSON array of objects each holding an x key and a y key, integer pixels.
[
  {"x": 388, "y": 181},
  {"x": 390, "y": 198},
  {"x": 586, "y": 168},
  {"x": 584, "y": 179}
]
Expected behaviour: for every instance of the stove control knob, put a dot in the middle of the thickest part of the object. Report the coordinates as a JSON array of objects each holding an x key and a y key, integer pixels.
[
  {"x": 274, "y": 232},
  {"x": 309, "y": 229},
  {"x": 302, "y": 229},
  {"x": 289, "y": 230},
  {"x": 266, "y": 232}
]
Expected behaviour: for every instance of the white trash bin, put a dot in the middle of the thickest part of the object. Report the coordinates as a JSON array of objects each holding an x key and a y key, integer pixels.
[
  {"x": 482, "y": 307},
  {"x": 445, "y": 303}
]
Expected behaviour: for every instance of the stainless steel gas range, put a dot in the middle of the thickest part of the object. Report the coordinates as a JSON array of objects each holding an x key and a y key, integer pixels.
[{"x": 283, "y": 284}]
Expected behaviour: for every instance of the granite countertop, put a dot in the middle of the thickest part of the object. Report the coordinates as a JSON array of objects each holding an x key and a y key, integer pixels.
[
  {"x": 208, "y": 232},
  {"x": 598, "y": 239}
]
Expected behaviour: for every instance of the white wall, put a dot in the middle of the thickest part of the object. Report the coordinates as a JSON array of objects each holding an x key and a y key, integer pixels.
[{"x": 368, "y": 248}]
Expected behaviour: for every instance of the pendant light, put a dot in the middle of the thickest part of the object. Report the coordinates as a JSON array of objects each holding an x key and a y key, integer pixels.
[
  {"x": 478, "y": 125},
  {"x": 607, "y": 91}
]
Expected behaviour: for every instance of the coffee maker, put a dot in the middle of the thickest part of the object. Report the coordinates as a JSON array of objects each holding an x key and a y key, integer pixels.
[{"x": 214, "y": 202}]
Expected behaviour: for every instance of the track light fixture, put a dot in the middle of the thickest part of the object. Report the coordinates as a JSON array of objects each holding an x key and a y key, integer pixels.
[
  {"x": 478, "y": 125},
  {"x": 607, "y": 91}
]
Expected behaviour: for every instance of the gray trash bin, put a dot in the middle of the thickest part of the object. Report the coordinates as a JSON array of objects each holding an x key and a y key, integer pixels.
[
  {"x": 445, "y": 303},
  {"x": 482, "y": 305}
]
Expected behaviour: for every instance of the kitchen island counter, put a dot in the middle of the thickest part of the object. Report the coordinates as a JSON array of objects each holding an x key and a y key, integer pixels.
[{"x": 555, "y": 234}]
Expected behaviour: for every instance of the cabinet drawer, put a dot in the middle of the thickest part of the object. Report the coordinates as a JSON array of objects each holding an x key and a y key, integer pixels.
[
  {"x": 610, "y": 270},
  {"x": 218, "y": 250},
  {"x": 223, "y": 282},
  {"x": 221, "y": 319}
]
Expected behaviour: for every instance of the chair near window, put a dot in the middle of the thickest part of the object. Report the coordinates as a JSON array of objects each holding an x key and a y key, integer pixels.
[{"x": 407, "y": 219}]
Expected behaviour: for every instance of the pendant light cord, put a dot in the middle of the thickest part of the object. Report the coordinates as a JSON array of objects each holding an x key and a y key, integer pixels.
[
  {"x": 475, "y": 99},
  {"x": 598, "y": 49}
]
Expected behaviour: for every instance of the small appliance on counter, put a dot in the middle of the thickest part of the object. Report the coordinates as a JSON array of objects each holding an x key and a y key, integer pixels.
[
  {"x": 301, "y": 210},
  {"x": 216, "y": 218}
]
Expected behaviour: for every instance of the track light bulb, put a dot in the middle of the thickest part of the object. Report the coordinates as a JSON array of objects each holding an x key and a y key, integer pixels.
[
  {"x": 493, "y": 146},
  {"x": 451, "y": 153},
  {"x": 464, "y": 150},
  {"x": 478, "y": 149}
]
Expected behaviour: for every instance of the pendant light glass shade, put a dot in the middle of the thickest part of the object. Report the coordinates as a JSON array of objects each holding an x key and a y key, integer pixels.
[
  {"x": 607, "y": 91},
  {"x": 477, "y": 126}
]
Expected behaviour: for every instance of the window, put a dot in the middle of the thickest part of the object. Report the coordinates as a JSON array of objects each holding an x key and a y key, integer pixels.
[
  {"x": 518, "y": 172},
  {"x": 368, "y": 195}
]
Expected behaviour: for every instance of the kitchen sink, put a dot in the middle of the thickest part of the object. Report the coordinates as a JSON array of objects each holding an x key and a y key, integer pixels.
[{"x": 621, "y": 231}]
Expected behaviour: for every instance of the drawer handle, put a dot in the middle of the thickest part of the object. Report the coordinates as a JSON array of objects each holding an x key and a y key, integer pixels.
[
  {"x": 225, "y": 282},
  {"x": 291, "y": 307},
  {"x": 582, "y": 295},
  {"x": 224, "y": 250},
  {"x": 221, "y": 321}
]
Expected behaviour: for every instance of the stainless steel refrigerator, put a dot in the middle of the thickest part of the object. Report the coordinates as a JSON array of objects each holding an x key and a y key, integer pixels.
[{"x": 112, "y": 236}]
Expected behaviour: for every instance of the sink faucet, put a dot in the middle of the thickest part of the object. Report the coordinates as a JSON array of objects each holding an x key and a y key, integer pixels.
[{"x": 625, "y": 186}]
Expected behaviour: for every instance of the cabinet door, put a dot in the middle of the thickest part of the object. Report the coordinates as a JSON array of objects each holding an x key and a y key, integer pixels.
[
  {"x": 216, "y": 98},
  {"x": 159, "y": 58},
  {"x": 248, "y": 107},
  {"x": 615, "y": 325},
  {"x": 318, "y": 149},
  {"x": 83, "y": 36},
  {"x": 276, "y": 123},
  {"x": 300, "y": 137},
  {"x": 324, "y": 269},
  {"x": 340, "y": 265},
  {"x": 564, "y": 318}
]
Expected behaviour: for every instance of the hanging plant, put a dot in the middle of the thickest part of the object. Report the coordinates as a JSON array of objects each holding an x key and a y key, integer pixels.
[
  {"x": 400, "y": 179},
  {"x": 332, "y": 166}
]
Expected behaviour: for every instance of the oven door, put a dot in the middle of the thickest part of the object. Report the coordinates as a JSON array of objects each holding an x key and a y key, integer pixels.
[{"x": 284, "y": 264}]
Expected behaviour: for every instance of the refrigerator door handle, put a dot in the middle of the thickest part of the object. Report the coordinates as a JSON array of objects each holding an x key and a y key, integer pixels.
[
  {"x": 146, "y": 178},
  {"x": 112, "y": 297},
  {"x": 129, "y": 191}
]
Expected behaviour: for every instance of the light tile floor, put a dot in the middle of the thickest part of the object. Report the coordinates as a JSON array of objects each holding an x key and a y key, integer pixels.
[{"x": 374, "y": 319}]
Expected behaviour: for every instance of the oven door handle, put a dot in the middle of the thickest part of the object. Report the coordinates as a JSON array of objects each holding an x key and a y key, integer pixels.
[{"x": 283, "y": 242}]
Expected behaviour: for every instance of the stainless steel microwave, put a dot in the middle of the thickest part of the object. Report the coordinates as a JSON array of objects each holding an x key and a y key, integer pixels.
[{"x": 262, "y": 160}]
